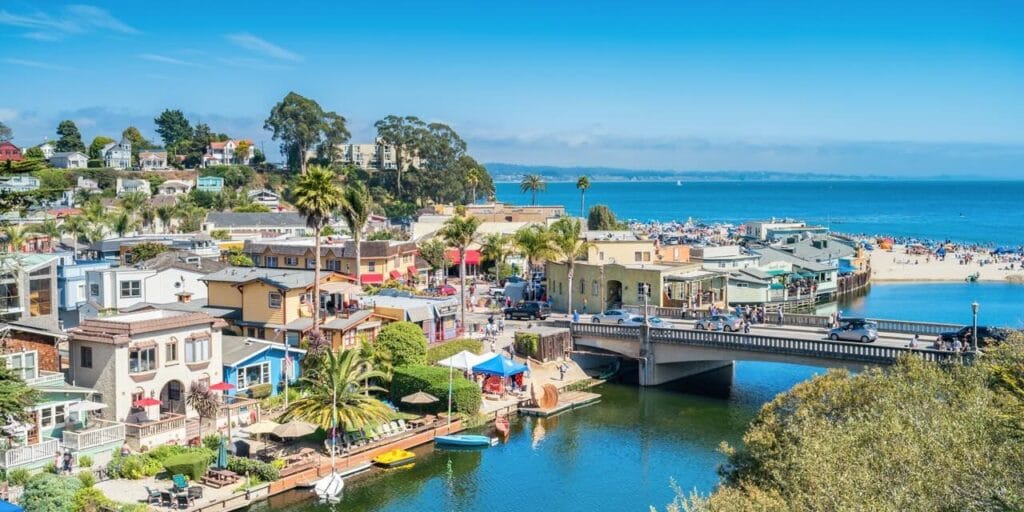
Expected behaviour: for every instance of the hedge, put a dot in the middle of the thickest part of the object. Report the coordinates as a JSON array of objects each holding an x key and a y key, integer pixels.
[
  {"x": 192, "y": 465},
  {"x": 405, "y": 342},
  {"x": 407, "y": 380},
  {"x": 260, "y": 391},
  {"x": 265, "y": 472},
  {"x": 446, "y": 350},
  {"x": 527, "y": 343}
]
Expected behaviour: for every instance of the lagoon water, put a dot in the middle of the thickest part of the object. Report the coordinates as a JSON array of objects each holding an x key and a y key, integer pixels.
[
  {"x": 972, "y": 211},
  {"x": 623, "y": 453}
]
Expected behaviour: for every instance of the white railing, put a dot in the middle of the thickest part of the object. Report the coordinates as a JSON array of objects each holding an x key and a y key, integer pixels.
[
  {"x": 106, "y": 432},
  {"x": 171, "y": 421},
  {"x": 46, "y": 378},
  {"x": 22, "y": 455}
]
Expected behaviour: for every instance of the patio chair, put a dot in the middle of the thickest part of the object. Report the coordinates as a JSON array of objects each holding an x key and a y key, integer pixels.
[
  {"x": 402, "y": 425},
  {"x": 166, "y": 498},
  {"x": 395, "y": 429},
  {"x": 194, "y": 493},
  {"x": 182, "y": 500},
  {"x": 179, "y": 483},
  {"x": 385, "y": 429},
  {"x": 154, "y": 496}
]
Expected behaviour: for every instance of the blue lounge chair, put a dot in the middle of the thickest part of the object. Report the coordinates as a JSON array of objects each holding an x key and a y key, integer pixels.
[{"x": 179, "y": 483}]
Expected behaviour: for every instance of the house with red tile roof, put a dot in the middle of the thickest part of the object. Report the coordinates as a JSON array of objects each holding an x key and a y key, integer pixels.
[{"x": 224, "y": 153}]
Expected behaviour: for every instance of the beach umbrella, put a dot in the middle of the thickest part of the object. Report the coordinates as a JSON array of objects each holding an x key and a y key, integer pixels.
[
  {"x": 222, "y": 454},
  {"x": 82, "y": 408},
  {"x": 294, "y": 429},
  {"x": 262, "y": 427},
  {"x": 419, "y": 397},
  {"x": 222, "y": 386},
  {"x": 146, "y": 402}
]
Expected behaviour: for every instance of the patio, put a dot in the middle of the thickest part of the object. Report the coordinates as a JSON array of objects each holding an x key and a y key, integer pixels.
[{"x": 135, "y": 491}]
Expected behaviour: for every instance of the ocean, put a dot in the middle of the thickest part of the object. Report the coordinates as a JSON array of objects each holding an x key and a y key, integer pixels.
[{"x": 964, "y": 211}]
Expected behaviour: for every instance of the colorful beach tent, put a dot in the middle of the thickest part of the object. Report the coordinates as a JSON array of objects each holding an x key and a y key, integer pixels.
[
  {"x": 501, "y": 366},
  {"x": 465, "y": 360}
]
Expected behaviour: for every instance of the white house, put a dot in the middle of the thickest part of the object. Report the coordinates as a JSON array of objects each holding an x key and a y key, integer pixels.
[
  {"x": 87, "y": 184},
  {"x": 69, "y": 160},
  {"x": 171, "y": 276},
  {"x": 128, "y": 186},
  {"x": 19, "y": 183},
  {"x": 267, "y": 198},
  {"x": 48, "y": 150},
  {"x": 220, "y": 153},
  {"x": 118, "y": 155},
  {"x": 724, "y": 257},
  {"x": 152, "y": 160},
  {"x": 174, "y": 187}
]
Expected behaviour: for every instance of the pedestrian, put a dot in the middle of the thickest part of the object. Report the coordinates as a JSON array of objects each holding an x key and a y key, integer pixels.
[
  {"x": 584, "y": 305},
  {"x": 57, "y": 462},
  {"x": 490, "y": 320},
  {"x": 562, "y": 368},
  {"x": 492, "y": 347},
  {"x": 67, "y": 461},
  {"x": 781, "y": 315},
  {"x": 746, "y": 326},
  {"x": 957, "y": 346},
  {"x": 508, "y": 301},
  {"x": 913, "y": 341},
  {"x": 575, "y": 317},
  {"x": 501, "y": 324},
  {"x": 832, "y": 320}
]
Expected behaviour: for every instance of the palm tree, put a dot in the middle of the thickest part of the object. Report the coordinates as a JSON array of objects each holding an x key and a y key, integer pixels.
[
  {"x": 122, "y": 223},
  {"x": 496, "y": 247},
  {"x": 583, "y": 183},
  {"x": 317, "y": 195},
  {"x": 94, "y": 211},
  {"x": 533, "y": 183},
  {"x": 95, "y": 233},
  {"x": 49, "y": 228},
  {"x": 433, "y": 252},
  {"x": 147, "y": 215},
  {"x": 165, "y": 214},
  {"x": 16, "y": 236},
  {"x": 355, "y": 209},
  {"x": 76, "y": 226},
  {"x": 473, "y": 180},
  {"x": 133, "y": 202},
  {"x": 343, "y": 376},
  {"x": 205, "y": 402},
  {"x": 534, "y": 241},
  {"x": 569, "y": 244},
  {"x": 458, "y": 232}
]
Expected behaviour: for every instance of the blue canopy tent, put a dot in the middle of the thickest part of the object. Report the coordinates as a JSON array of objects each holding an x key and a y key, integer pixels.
[
  {"x": 846, "y": 268},
  {"x": 500, "y": 366},
  {"x": 9, "y": 507}
]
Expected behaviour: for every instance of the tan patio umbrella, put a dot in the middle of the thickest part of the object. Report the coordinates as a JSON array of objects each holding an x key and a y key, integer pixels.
[
  {"x": 262, "y": 427},
  {"x": 294, "y": 428},
  {"x": 419, "y": 397}
]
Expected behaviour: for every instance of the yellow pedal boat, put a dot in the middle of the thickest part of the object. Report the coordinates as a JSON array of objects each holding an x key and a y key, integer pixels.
[{"x": 394, "y": 458}]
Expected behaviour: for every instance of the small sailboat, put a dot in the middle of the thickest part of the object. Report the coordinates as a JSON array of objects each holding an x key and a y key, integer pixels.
[{"x": 329, "y": 488}]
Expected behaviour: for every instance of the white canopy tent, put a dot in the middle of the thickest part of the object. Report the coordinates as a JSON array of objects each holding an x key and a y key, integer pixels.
[{"x": 465, "y": 360}]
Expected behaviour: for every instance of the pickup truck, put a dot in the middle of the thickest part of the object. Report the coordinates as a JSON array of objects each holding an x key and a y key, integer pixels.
[
  {"x": 986, "y": 335},
  {"x": 528, "y": 309}
]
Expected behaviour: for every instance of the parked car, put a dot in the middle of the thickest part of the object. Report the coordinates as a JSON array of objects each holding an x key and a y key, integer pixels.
[
  {"x": 729, "y": 323},
  {"x": 863, "y": 331},
  {"x": 986, "y": 335},
  {"x": 653, "y": 321},
  {"x": 612, "y": 316},
  {"x": 528, "y": 309},
  {"x": 445, "y": 290}
]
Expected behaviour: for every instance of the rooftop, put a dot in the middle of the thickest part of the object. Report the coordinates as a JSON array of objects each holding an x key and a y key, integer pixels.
[
  {"x": 245, "y": 220},
  {"x": 121, "y": 328},
  {"x": 281, "y": 278},
  {"x": 238, "y": 349},
  {"x": 182, "y": 260}
]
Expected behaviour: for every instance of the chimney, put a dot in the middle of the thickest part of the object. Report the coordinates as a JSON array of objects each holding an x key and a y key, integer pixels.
[{"x": 184, "y": 297}]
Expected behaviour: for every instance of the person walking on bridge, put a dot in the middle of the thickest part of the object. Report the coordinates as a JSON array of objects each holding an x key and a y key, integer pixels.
[{"x": 781, "y": 314}]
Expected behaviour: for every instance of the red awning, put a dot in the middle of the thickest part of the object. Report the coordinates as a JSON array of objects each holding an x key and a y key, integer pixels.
[
  {"x": 371, "y": 278},
  {"x": 395, "y": 274},
  {"x": 413, "y": 270},
  {"x": 472, "y": 256},
  {"x": 146, "y": 402}
]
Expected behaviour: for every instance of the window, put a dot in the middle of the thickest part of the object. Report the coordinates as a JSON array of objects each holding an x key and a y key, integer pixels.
[
  {"x": 583, "y": 286},
  {"x": 292, "y": 338},
  {"x": 173, "y": 391},
  {"x": 172, "y": 350},
  {"x": 372, "y": 266},
  {"x": 58, "y": 414},
  {"x": 39, "y": 295},
  {"x": 85, "y": 357},
  {"x": 142, "y": 360},
  {"x": 638, "y": 256},
  {"x": 600, "y": 255},
  {"x": 197, "y": 349},
  {"x": 647, "y": 255},
  {"x": 334, "y": 265},
  {"x": 310, "y": 262},
  {"x": 593, "y": 288},
  {"x": 274, "y": 300},
  {"x": 256, "y": 260},
  {"x": 46, "y": 417},
  {"x": 271, "y": 262},
  {"x": 22, "y": 364},
  {"x": 290, "y": 261},
  {"x": 131, "y": 289},
  {"x": 253, "y": 375}
]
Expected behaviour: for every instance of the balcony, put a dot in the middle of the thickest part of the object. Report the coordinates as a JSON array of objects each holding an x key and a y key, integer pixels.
[
  {"x": 97, "y": 434},
  {"x": 26, "y": 455},
  {"x": 170, "y": 427},
  {"x": 45, "y": 379}
]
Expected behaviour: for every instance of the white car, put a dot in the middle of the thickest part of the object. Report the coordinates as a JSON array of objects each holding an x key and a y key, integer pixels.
[
  {"x": 653, "y": 321},
  {"x": 612, "y": 316}
]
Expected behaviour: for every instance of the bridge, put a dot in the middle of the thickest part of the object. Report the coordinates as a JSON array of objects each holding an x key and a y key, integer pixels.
[{"x": 668, "y": 354}]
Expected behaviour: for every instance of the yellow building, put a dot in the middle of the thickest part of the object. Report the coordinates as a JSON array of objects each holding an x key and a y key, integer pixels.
[
  {"x": 380, "y": 260},
  {"x": 619, "y": 247}
]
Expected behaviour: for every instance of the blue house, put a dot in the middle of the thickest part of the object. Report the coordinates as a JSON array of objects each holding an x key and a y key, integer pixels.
[
  {"x": 252, "y": 361},
  {"x": 72, "y": 292},
  {"x": 210, "y": 184}
]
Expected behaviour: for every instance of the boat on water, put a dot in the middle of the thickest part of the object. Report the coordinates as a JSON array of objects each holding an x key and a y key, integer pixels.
[
  {"x": 329, "y": 488},
  {"x": 465, "y": 440},
  {"x": 679, "y": 183},
  {"x": 394, "y": 458}
]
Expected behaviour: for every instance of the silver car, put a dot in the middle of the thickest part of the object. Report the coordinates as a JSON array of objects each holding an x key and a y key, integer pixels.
[
  {"x": 612, "y": 316},
  {"x": 729, "y": 323},
  {"x": 864, "y": 332},
  {"x": 653, "y": 321}
]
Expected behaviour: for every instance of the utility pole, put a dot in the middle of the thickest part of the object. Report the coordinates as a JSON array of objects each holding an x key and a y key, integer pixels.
[
  {"x": 646, "y": 373},
  {"x": 974, "y": 325}
]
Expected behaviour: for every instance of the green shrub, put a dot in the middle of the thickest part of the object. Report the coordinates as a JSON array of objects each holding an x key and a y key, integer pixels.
[
  {"x": 278, "y": 464},
  {"x": 47, "y": 492},
  {"x": 260, "y": 391},
  {"x": 527, "y": 343},
  {"x": 262, "y": 470},
  {"x": 90, "y": 499},
  {"x": 434, "y": 380},
  {"x": 211, "y": 442},
  {"x": 18, "y": 476},
  {"x": 448, "y": 349},
  {"x": 405, "y": 342},
  {"x": 87, "y": 478},
  {"x": 192, "y": 465},
  {"x": 50, "y": 467},
  {"x": 85, "y": 461}
]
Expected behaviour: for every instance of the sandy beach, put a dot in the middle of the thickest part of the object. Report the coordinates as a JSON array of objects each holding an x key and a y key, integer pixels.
[{"x": 897, "y": 265}]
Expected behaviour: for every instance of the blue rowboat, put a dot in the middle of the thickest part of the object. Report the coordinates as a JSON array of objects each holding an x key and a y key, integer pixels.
[{"x": 463, "y": 440}]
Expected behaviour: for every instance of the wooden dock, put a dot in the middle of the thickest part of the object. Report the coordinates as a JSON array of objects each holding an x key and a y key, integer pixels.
[{"x": 566, "y": 401}]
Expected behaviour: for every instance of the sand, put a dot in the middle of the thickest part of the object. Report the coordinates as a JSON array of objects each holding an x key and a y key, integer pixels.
[{"x": 893, "y": 266}]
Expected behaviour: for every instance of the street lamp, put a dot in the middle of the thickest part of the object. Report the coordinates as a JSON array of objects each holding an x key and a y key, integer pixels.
[{"x": 974, "y": 324}]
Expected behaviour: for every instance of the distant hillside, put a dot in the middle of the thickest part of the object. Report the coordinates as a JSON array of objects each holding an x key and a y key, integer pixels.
[{"x": 514, "y": 172}]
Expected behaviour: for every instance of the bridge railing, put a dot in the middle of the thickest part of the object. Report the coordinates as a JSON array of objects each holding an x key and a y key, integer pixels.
[
  {"x": 859, "y": 352},
  {"x": 805, "y": 320}
]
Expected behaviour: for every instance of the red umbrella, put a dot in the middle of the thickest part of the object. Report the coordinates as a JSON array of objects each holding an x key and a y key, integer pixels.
[
  {"x": 222, "y": 386},
  {"x": 146, "y": 402}
]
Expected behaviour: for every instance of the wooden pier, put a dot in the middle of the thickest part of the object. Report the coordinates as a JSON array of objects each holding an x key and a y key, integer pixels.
[{"x": 566, "y": 401}]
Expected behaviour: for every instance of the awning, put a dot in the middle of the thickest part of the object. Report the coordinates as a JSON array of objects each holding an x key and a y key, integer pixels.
[
  {"x": 371, "y": 278},
  {"x": 413, "y": 270},
  {"x": 472, "y": 256},
  {"x": 341, "y": 287},
  {"x": 419, "y": 314},
  {"x": 465, "y": 360},
  {"x": 500, "y": 365},
  {"x": 395, "y": 274}
]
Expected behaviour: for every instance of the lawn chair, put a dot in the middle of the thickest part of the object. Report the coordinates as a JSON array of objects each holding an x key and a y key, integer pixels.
[
  {"x": 179, "y": 483},
  {"x": 182, "y": 501},
  {"x": 395, "y": 429},
  {"x": 385, "y": 429},
  {"x": 194, "y": 493},
  {"x": 402, "y": 425},
  {"x": 154, "y": 496}
]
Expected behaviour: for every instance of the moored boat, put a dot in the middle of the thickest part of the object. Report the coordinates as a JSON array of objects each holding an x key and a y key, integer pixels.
[
  {"x": 464, "y": 440},
  {"x": 329, "y": 488},
  {"x": 394, "y": 458}
]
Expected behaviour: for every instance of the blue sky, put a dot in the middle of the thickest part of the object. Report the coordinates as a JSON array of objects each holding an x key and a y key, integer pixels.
[{"x": 902, "y": 88}]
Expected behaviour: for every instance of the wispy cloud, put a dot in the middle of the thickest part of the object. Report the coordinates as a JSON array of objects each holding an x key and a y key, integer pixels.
[
  {"x": 262, "y": 47},
  {"x": 36, "y": 64},
  {"x": 72, "y": 20},
  {"x": 168, "y": 60}
]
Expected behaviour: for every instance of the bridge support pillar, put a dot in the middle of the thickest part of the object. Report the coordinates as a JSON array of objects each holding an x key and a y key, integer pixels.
[{"x": 659, "y": 374}]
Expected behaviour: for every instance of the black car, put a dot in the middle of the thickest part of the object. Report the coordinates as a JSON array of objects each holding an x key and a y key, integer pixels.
[
  {"x": 528, "y": 309},
  {"x": 986, "y": 335}
]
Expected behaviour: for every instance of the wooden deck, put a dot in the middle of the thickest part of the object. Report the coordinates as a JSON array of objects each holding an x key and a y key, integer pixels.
[{"x": 566, "y": 401}]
